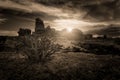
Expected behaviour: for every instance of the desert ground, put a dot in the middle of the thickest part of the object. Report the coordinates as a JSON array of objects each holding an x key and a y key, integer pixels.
[{"x": 63, "y": 66}]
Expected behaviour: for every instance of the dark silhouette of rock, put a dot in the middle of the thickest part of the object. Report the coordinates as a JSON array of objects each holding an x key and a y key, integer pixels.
[
  {"x": 24, "y": 32},
  {"x": 39, "y": 26}
]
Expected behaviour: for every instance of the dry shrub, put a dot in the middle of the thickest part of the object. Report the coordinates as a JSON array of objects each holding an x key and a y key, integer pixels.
[{"x": 39, "y": 50}]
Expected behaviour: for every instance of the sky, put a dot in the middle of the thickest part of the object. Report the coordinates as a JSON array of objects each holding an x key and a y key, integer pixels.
[{"x": 91, "y": 16}]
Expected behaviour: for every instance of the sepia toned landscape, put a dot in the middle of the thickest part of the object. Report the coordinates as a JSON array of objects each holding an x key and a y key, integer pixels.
[{"x": 59, "y": 40}]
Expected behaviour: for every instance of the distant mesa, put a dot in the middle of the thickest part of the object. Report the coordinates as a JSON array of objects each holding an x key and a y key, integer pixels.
[
  {"x": 24, "y": 32},
  {"x": 39, "y": 29},
  {"x": 39, "y": 26}
]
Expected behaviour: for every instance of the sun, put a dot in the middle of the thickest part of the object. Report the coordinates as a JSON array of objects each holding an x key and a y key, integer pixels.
[{"x": 69, "y": 29}]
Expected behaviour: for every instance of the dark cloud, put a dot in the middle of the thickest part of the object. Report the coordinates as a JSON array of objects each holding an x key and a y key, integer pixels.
[
  {"x": 28, "y": 15},
  {"x": 96, "y": 10},
  {"x": 105, "y": 11}
]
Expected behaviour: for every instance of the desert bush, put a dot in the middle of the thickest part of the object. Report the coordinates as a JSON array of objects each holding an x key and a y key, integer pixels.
[
  {"x": 96, "y": 48},
  {"x": 39, "y": 49},
  {"x": 76, "y": 49}
]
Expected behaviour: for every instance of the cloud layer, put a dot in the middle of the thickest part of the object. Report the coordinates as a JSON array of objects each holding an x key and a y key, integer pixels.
[{"x": 59, "y": 14}]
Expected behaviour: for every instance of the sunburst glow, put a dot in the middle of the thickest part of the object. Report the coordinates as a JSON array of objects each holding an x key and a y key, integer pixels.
[
  {"x": 69, "y": 29},
  {"x": 70, "y": 24}
]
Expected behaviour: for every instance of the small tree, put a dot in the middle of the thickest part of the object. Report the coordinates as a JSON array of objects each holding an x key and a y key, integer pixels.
[{"x": 39, "y": 49}]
